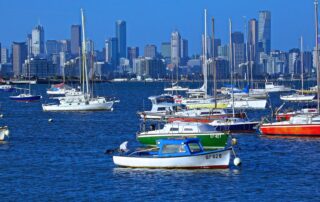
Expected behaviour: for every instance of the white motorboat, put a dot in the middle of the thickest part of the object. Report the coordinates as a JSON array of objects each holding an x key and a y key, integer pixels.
[
  {"x": 270, "y": 88},
  {"x": 176, "y": 154}
]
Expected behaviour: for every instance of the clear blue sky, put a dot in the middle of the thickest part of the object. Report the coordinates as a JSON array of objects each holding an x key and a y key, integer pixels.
[{"x": 152, "y": 21}]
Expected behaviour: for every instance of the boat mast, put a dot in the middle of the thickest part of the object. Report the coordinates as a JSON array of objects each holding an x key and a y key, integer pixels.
[
  {"x": 301, "y": 62},
  {"x": 84, "y": 58},
  {"x": 317, "y": 53},
  {"x": 214, "y": 67},
  {"x": 205, "y": 69},
  {"x": 231, "y": 63}
]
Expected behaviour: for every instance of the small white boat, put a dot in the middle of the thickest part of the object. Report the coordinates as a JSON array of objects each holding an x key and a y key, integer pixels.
[
  {"x": 297, "y": 97},
  {"x": 270, "y": 87},
  {"x": 4, "y": 132},
  {"x": 175, "y": 154}
]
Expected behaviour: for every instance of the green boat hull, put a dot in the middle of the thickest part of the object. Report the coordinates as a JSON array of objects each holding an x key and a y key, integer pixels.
[{"x": 208, "y": 141}]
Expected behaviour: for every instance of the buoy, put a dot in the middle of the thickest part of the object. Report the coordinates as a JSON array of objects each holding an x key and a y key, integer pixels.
[
  {"x": 234, "y": 141},
  {"x": 237, "y": 161},
  {"x": 50, "y": 120},
  {"x": 1, "y": 115}
]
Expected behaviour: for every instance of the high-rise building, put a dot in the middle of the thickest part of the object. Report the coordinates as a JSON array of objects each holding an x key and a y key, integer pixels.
[
  {"x": 133, "y": 53},
  {"x": 121, "y": 35},
  {"x": 19, "y": 54},
  {"x": 184, "y": 51},
  {"x": 150, "y": 51},
  {"x": 37, "y": 47},
  {"x": 217, "y": 43},
  {"x": 75, "y": 39},
  {"x": 307, "y": 62},
  {"x": 238, "y": 49},
  {"x": 166, "y": 50},
  {"x": 209, "y": 46},
  {"x": 111, "y": 48},
  {"x": 264, "y": 36},
  {"x": 29, "y": 45},
  {"x": 53, "y": 47},
  {"x": 252, "y": 39},
  {"x": 294, "y": 61},
  {"x": 175, "y": 48},
  {"x": 65, "y": 46},
  {"x": 4, "y": 56}
]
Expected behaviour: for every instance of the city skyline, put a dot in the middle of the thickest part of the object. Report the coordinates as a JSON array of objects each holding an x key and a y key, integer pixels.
[{"x": 188, "y": 20}]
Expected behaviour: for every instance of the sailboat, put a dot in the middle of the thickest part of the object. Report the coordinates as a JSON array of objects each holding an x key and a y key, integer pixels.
[
  {"x": 84, "y": 101},
  {"x": 26, "y": 96},
  {"x": 302, "y": 124},
  {"x": 297, "y": 96}
]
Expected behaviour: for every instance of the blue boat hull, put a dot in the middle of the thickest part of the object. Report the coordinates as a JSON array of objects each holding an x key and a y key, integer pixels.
[
  {"x": 233, "y": 128},
  {"x": 26, "y": 99}
]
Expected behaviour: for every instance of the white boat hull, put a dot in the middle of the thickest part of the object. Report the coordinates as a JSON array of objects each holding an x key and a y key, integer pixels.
[
  {"x": 218, "y": 159},
  {"x": 248, "y": 104},
  {"x": 4, "y": 131},
  {"x": 91, "y": 106},
  {"x": 297, "y": 97}
]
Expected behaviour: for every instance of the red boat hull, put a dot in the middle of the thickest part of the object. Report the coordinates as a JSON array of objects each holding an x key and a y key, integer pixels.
[{"x": 291, "y": 129}]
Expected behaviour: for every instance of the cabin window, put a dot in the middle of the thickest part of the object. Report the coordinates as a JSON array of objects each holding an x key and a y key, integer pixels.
[
  {"x": 203, "y": 113},
  {"x": 161, "y": 109},
  {"x": 194, "y": 147},
  {"x": 170, "y": 149},
  {"x": 188, "y": 129},
  {"x": 174, "y": 129}
]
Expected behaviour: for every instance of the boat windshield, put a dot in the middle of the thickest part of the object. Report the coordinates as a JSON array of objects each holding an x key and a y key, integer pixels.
[
  {"x": 172, "y": 148},
  {"x": 194, "y": 147}
]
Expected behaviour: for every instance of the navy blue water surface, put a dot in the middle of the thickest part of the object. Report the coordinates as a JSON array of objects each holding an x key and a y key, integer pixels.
[{"x": 64, "y": 160}]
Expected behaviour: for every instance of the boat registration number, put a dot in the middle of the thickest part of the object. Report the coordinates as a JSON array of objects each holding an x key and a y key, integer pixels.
[{"x": 213, "y": 156}]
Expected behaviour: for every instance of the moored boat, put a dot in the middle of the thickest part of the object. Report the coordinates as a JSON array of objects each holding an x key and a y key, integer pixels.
[
  {"x": 209, "y": 136},
  {"x": 4, "y": 132},
  {"x": 25, "y": 97},
  {"x": 176, "y": 154}
]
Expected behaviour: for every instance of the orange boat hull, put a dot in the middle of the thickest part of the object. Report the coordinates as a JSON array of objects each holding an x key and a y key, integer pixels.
[{"x": 291, "y": 129}]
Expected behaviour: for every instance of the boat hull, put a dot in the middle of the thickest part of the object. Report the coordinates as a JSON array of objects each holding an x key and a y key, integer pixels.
[
  {"x": 26, "y": 99},
  {"x": 78, "y": 107},
  {"x": 208, "y": 140},
  {"x": 248, "y": 104},
  {"x": 296, "y": 98},
  {"x": 206, "y": 105},
  {"x": 291, "y": 129},
  {"x": 4, "y": 131},
  {"x": 216, "y": 159},
  {"x": 238, "y": 127},
  {"x": 204, "y": 119}
]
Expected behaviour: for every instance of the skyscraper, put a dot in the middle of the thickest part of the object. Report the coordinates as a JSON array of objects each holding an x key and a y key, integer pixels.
[
  {"x": 133, "y": 53},
  {"x": 238, "y": 49},
  {"x": 252, "y": 39},
  {"x": 37, "y": 47},
  {"x": 150, "y": 51},
  {"x": 121, "y": 35},
  {"x": 166, "y": 50},
  {"x": 19, "y": 54},
  {"x": 111, "y": 47},
  {"x": 75, "y": 39},
  {"x": 184, "y": 51},
  {"x": 4, "y": 56},
  {"x": 175, "y": 48},
  {"x": 264, "y": 28}
]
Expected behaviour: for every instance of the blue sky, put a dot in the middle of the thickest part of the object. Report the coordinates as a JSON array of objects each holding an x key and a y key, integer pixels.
[{"x": 151, "y": 21}]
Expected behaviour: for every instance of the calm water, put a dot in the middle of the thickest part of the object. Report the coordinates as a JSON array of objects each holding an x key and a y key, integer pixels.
[{"x": 65, "y": 160}]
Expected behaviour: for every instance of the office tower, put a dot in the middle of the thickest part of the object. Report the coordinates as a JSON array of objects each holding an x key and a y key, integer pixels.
[
  {"x": 53, "y": 47},
  {"x": 175, "y": 48},
  {"x": 4, "y": 56},
  {"x": 121, "y": 35},
  {"x": 238, "y": 49},
  {"x": 294, "y": 61},
  {"x": 264, "y": 36},
  {"x": 166, "y": 50},
  {"x": 252, "y": 39},
  {"x": 29, "y": 45},
  {"x": 111, "y": 48},
  {"x": 184, "y": 51},
  {"x": 216, "y": 43},
  {"x": 19, "y": 54},
  {"x": 150, "y": 51},
  {"x": 209, "y": 46},
  {"x": 65, "y": 46},
  {"x": 37, "y": 46},
  {"x": 133, "y": 53},
  {"x": 75, "y": 39}
]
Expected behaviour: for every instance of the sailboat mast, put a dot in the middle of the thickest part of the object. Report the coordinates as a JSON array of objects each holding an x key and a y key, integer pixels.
[
  {"x": 214, "y": 67},
  {"x": 84, "y": 58},
  {"x": 205, "y": 69},
  {"x": 301, "y": 62},
  {"x": 317, "y": 53},
  {"x": 231, "y": 63}
]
